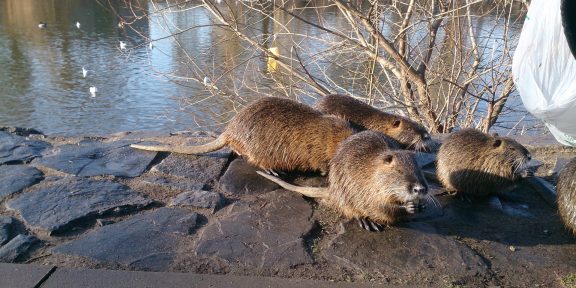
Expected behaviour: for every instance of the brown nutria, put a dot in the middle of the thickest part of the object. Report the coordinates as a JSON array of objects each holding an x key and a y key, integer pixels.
[
  {"x": 370, "y": 182},
  {"x": 478, "y": 164},
  {"x": 409, "y": 134},
  {"x": 566, "y": 191},
  {"x": 277, "y": 134}
]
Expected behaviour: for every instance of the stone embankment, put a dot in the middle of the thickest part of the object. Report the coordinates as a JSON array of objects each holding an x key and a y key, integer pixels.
[{"x": 94, "y": 202}]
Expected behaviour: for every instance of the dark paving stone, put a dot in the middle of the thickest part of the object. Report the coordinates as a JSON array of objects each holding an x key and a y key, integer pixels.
[
  {"x": 17, "y": 149},
  {"x": 22, "y": 276},
  {"x": 92, "y": 158},
  {"x": 58, "y": 205},
  {"x": 7, "y": 229},
  {"x": 197, "y": 169},
  {"x": 398, "y": 252},
  {"x": 265, "y": 233},
  {"x": 146, "y": 241},
  {"x": 241, "y": 178},
  {"x": 170, "y": 182},
  {"x": 14, "y": 178},
  {"x": 65, "y": 277},
  {"x": 17, "y": 247},
  {"x": 198, "y": 198}
]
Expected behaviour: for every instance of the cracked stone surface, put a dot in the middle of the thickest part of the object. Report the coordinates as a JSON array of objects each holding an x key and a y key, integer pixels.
[
  {"x": 17, "y": 247},
  {"x": 241, "y": 178},
  {"x": 198, "y": 198},
  {"x": 198, "y": 170},
  {"x": 14, "y": 178},
  {"x": 60, "y": 204},
  {"x": 18, "y": 149},
  {"x": 147, "y": 241},
  {"x": 93, "y": 158},
  {"x": 265, "y": 233}
]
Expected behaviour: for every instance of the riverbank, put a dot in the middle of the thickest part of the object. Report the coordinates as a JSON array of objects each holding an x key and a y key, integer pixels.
[{"x": 93, "y": 202}]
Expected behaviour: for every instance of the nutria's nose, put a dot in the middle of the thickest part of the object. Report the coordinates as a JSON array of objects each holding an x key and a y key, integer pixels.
[
  {"x": 419, "y": 189},
  {"x": 529, "y": 156}
]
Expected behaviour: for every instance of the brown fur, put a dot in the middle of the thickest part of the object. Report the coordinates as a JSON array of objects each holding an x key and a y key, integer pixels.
[
  {"x": 566, "y": 190},
  {"x": 409, "y": 134},
  {"x": 278, "y": 134},
  {"x": 368, "y": 180},
  {"x": 479, "y": 164}
]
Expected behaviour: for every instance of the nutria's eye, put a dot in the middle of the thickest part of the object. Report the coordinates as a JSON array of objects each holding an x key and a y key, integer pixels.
[
  {"x": 388, "y": 159},
  {"x": 497, "y": 143},
  {"x": 396, "y": 123},
  {"x": 426, "y": 136}
]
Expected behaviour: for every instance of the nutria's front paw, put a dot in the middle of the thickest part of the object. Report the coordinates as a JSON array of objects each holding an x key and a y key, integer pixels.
[
  {"x": 410, "y": 207},
  {"x": 369, "y": 225}
]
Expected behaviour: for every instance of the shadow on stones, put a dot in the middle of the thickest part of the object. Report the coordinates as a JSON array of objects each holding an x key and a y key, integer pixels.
[{"x": 311, "y": 240}]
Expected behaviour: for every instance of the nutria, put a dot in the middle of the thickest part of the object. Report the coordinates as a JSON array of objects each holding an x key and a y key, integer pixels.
[
  {"x": 566, "y": 191},
  {"x": 478, "y": 164},
  {"x": 277, "y": 134},
  {"x": 369, "y": 182},
  {"x": 409, "y": 134}
]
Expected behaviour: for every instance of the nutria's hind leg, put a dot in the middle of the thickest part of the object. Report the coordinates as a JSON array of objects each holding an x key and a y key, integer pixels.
[{"x": 370, "y": 225}]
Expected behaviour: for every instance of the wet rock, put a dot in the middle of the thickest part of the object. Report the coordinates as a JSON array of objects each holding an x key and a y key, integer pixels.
[
  {"x": 400, "y": 252},
  {"x": 7, "y": 229},
  {"x": 241, "y": 178},
  {"x": 92, "y": 158},
  {"x": 21, "y": 131},
  {"x": 265, "y": 233},
  {"x": 147, "y": 241},
  {"x": 14, "y": 178},
  {"x": 17, "y": 247},
  {"x": 58, "y": 205},
  {"x": 198, "y": 198},
  {"x": 17, "y": 149},
  {"x": 196, "y": 169}
]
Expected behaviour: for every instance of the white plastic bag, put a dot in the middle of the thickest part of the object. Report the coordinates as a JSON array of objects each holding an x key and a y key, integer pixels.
[{"x": 545, "y": 70}]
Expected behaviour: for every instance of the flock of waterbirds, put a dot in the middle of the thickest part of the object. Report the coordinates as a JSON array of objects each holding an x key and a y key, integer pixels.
[{"x": 122, "y": 46}]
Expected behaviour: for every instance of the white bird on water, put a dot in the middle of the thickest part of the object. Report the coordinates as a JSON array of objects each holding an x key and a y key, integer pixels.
[
  {"x": 42, "y": 25},
  {"x": 122, "y": 45},
  {"x": 77, "y": 24},
  {"x": 84, "y": 72},
  {"x": 93, "y": 91}
]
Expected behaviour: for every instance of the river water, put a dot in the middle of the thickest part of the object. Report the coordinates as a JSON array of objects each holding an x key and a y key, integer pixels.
[{"x": 41, "y": 70}]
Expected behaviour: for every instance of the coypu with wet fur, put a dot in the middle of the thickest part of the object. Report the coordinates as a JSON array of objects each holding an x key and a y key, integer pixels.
[
  {"x": 369, "y": 181},
  {"x": 478, "y": 164},
  {"x": 408, "y": 134},
  {"x": 566, "y": 191},
  {"x": 277, "y": 134}
]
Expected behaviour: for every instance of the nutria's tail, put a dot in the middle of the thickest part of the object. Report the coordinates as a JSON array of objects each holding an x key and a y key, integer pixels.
[
  {"x": 218, "y": 143},
  {"x": 314, "y": 192}
]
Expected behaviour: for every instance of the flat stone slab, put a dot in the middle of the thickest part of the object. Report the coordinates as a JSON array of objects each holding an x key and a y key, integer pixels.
[
  {"x": 17, "y": 247},
  {"x": 7, "y": 229},
  {"x": 147, "y": 241},
  {"x": 400, "y": 251},
  {"x": 241, "y": 178},
  {"x": 93, "y": 158},
  {"x": 14, "y": 178},
  {"x": 196, "y": 169},
  {"x": 20, "y": 275},
  {"x": 198, "y": 198},
  {"x": 266, "y": 233},
  {"x": 64, "y": 203},
  {"x": 18, "y": 149}
]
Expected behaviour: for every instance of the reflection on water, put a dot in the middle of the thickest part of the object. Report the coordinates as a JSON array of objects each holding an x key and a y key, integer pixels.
[{"x": 41, "y": 81}]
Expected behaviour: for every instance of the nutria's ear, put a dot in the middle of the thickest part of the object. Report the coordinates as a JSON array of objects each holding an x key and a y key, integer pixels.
[
  {"x": 388, "y": 159},
  {"x": 396, "y": 123},
  {"x": 497, "y": 143}
]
